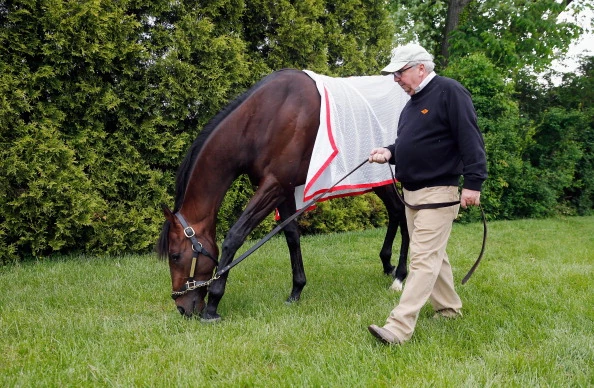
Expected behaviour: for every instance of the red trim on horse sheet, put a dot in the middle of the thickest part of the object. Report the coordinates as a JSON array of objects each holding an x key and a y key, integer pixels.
[{"x": 332, "y": 144}]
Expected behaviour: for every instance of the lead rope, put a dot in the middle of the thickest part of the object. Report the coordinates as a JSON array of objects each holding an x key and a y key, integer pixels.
[
  {"x": 480, "y": 256},
  {"x": 281, "y": 226},
  {"x": 314, "y": 200},
  {"x": 446, "y": 204}
]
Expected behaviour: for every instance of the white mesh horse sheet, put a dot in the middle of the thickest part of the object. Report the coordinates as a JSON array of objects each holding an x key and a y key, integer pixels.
[{"x": 356, "y": 115}]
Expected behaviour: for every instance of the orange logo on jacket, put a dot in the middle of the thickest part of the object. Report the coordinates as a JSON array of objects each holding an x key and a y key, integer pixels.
[{"x": 425, "y": 111}]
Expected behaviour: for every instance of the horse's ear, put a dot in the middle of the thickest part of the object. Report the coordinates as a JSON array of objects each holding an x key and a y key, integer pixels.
[{"x": 167, "y": 213}]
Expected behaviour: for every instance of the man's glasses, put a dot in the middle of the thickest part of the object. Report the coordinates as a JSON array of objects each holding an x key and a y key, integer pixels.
[{"x": 399, "y": 72}]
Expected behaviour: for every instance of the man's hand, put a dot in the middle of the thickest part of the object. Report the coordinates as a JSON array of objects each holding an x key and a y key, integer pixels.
[
  {"x": 470, "y": 198},
  {"x": 379, "y": 155}
]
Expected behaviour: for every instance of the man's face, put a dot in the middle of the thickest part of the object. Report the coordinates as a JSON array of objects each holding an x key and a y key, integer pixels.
[{"x": 409, "y": 77}]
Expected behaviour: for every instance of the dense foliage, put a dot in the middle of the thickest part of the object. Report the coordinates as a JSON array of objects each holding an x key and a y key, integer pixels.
[
  {"x": 538, "y": 135},
  {"x": 101, "y": 99},
  {"x": 561, "y": 154}
]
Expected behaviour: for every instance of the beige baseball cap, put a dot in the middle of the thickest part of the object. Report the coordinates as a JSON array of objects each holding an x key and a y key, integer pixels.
[{"x": 405, "y": 54}]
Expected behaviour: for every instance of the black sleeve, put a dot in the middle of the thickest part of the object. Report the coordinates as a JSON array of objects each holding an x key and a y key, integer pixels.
[
  {"x": 392, "y": 158},
  {"x": 463, "y": 121}
]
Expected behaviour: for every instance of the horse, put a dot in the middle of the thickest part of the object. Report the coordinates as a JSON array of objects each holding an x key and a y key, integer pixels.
[{"x": 268, "y": 133}]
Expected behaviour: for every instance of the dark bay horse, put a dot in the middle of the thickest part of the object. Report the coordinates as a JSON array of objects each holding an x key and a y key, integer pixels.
[{"x": 267, "y": 133}]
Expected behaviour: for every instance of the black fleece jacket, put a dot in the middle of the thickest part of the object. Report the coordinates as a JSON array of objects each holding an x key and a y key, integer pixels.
[{"x": 438, "y": 139}]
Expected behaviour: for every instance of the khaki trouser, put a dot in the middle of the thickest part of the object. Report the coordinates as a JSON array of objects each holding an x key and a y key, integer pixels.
[{"x": 430, "y": 274}]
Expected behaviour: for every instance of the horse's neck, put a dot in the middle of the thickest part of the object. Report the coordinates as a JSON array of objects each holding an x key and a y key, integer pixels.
[{"x": 211, "y": 178}]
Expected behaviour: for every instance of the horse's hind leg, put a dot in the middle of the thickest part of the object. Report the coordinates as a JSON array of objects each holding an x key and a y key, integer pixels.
[
  {"x": 396, "y": 218},
  {"x": 401, "y": 270},
  {"x": 292, "y": 235},
  {"x": 386, "y": 251},
  {"x": 399, "y": 215},
  {"x": 385, "y": 194}
]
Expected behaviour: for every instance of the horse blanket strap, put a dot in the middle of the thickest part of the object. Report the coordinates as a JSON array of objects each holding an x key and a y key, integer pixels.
[
  {"x": 197, "y": 247},
  {"x": 446, "y": 204}
]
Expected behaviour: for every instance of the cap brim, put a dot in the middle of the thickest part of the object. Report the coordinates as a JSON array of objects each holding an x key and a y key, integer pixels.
[{"x": 393, "y": 66}]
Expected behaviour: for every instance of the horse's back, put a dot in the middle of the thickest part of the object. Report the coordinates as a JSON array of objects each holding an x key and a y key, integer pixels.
[
  {"x": 292, "y": 91},
  {"x": 282, "y": 120}
]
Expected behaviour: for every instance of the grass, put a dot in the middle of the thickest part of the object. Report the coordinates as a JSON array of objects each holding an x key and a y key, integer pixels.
[{"x": 528, "y": 318}]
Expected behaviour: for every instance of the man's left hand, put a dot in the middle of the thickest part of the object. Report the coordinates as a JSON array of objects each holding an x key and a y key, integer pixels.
[{"x": 470, "y": 198}]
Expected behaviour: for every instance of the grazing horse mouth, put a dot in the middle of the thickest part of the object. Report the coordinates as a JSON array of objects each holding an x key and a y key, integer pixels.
[{"x": 192, "y": 308}]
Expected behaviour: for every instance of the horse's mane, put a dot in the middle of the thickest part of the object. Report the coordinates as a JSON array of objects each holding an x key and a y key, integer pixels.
[{"x": 184, "y": 171}]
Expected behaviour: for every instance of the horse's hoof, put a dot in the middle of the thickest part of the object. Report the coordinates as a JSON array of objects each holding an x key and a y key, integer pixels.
[
  {"x": 210, "y": 320},
  {"x": 396, "y": 285},
  {"x": 291, "y": 300},
  {"x": 207, "y": 318},
  {"x": 390, "y": 271}
]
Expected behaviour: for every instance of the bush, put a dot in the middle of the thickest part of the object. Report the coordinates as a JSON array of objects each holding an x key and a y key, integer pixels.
[{"x": 100, "y": 101}]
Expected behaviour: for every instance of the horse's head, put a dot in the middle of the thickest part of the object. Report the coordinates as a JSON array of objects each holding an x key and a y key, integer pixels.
[{"x": 192, "y": 260}]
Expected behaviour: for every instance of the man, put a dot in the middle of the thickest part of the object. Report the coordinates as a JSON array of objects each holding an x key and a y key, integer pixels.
[{"x": 438, "y": 140}]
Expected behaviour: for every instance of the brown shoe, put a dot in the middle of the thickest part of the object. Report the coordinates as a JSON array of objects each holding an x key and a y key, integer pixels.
[{"x": 383, "y": 335}]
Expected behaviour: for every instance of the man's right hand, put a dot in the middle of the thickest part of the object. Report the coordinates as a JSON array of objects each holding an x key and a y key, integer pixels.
[{"x": 379, "y": 155}]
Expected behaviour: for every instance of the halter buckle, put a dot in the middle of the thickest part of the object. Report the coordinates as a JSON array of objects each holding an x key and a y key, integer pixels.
[
  {"x": 197, "y": 250},
  {"x": 191, "y": 232}
]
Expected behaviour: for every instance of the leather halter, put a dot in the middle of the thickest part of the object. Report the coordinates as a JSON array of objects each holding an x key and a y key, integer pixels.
[{"x": 197, "y": 249}]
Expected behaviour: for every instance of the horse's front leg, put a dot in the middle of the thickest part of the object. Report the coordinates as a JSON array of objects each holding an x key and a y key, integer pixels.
[
  {"x": 215, "y": 293},
  {"x": 292, "y": 236},
  {"x": 260, "y": 205}
]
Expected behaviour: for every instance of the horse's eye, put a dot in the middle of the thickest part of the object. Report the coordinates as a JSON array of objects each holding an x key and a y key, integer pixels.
[{"x": 175, "y": 256}]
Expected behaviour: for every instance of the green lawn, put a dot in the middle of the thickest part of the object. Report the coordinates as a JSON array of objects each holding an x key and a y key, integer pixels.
[{"x": 528, "y": 318}]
